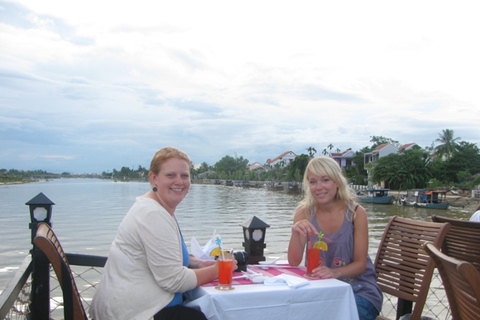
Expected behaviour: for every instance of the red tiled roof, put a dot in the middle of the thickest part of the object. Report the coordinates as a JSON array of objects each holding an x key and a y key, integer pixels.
[
  {"x": 405, "y": 146},
  {"x": 381, "y": 146},
  {"x": 280, "y": 156}
]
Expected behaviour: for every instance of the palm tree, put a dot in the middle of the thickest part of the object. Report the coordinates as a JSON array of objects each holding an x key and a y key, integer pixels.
[
  {"x": 311, "y": 151},
  {"x": 448, "y": 144}
]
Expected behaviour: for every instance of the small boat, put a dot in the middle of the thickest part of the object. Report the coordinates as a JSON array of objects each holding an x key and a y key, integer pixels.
[
  {"x": 378, "y": 196},
  {"x": 423, "y": 198}
]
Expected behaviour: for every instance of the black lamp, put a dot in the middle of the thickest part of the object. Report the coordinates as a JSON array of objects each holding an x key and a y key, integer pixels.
[
  {"x": 254, "y": 239},
  {"x": 40, "y": 211}
]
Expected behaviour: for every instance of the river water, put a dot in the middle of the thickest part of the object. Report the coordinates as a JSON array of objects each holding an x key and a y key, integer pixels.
[{"x": 87, "y": 213}]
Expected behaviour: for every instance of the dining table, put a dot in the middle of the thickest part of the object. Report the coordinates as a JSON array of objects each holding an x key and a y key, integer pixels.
[{"x": 275, "y": 292}]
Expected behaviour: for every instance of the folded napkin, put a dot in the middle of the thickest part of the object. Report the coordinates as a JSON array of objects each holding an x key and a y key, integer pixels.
[
  {"x": 289, "y": 280},
  {"x": 202, "y": 253}
]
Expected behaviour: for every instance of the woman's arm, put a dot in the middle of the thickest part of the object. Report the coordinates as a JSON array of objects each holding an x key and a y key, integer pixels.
[
  {"x": 196, "y": 263},
  {"x": 210, "y": 273},
  {"x": 207, "y": 274},
  {"x": 300, "y": 229}
]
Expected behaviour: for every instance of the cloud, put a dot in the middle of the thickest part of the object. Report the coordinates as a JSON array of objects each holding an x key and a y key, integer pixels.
[{"x": 106, "y": 88}]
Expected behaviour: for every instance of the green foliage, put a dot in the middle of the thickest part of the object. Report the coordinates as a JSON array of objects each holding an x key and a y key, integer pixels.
[
  {"x": 454, "y": 163},
  {"x": 311, "y": 151},
  {"x": 403, "y": 170},
  {"x": 356, "y": 174},
  {"x": 466, "y": 157},
  {"x": 127, "y": 174},
  {"x": 231, "y": 168},
  {"x": 463, "y": 175},
  {"x": 296, "y": 168},
  {"x": 448, "y": 144},
  {"x": 379, "y": 140}
]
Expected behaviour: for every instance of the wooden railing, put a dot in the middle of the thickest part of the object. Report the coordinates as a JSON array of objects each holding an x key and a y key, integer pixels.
[{"x": 15, "y": 298}]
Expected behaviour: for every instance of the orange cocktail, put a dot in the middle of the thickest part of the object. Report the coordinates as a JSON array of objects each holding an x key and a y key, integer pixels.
[
  {"x": 313, "y": 252},
  {"x": 225, "y": 274},
  {"x": 225, "y": 270},
  {"x": 313, "y": 260}
]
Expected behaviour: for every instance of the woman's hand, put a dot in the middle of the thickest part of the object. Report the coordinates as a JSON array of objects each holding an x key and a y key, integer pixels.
[
  {"x": 234, "y": 265},
  {"x": 323, "y": 272},
  {"x": 304, "y": 228}
]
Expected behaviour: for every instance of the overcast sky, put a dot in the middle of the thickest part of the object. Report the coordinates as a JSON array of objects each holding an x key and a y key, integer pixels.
[{"x": 89, "y": 86}]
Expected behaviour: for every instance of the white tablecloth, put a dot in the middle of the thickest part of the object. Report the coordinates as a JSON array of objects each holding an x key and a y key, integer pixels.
[{"x": 321, "y": 299}]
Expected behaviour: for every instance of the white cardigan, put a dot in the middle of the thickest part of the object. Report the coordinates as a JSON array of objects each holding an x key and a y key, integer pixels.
[{"x": 144, "y": 267}]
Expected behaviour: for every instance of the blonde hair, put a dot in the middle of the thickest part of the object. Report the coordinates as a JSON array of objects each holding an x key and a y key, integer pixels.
[
  {"x": 325, "y": 166},
  {"x": 163, "y": 155}
]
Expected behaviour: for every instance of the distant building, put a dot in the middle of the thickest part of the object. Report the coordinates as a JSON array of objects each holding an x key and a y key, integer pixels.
[
  {"x": 407, "y": 146},
  {"x": 282, "y": 160},
  {"x": 254, "y": 166},
  {"x": 344, "y": 159},
  {"x": 382, "y": 150}
]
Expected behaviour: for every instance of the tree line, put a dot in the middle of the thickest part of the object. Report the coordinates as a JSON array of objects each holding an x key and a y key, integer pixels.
[{"x": 451, "y": 162}]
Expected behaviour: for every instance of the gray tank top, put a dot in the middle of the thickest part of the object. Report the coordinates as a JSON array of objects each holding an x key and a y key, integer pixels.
[{"x": 340, "y": 253}]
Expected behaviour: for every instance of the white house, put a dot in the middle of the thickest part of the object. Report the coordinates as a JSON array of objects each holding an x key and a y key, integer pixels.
[
  {"x": 283, "y": 160},
  {"x": 255, "y": 165},
  {"x": 382, "y": 150},
  {"x": 344, "y": 158}
]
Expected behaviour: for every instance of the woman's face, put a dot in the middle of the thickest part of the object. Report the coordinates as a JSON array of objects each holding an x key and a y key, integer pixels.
[
  {"x": 322, "y": 188},
  {"x": 172, "y": 182}
]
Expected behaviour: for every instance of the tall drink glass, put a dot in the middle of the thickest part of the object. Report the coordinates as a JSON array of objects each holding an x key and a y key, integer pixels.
[
  {"x": 225, "y": 270},
  {"x": 313, "y": 256}
]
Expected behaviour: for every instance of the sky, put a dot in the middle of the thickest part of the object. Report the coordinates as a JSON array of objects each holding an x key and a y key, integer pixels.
[{"x": 92, "y": 86}]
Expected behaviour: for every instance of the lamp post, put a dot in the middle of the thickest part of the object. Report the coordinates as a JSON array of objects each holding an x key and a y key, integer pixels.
[
  {"x": 254, "y": 239},
  {"x": 40, "y": 211}
]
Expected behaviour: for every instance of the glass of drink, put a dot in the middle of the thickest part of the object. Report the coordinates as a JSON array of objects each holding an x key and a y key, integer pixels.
[
  {"x": 313, "y": 256},
  {"x": 225, "y": 270}
]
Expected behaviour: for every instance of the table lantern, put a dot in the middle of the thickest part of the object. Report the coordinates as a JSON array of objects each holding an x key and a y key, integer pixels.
[
  {"x": 40, "y": 211},
  {"x": 254, "y": 239}
]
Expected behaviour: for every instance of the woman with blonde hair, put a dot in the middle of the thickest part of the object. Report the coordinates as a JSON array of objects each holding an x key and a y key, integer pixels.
[{"x": 329, "y": 207}]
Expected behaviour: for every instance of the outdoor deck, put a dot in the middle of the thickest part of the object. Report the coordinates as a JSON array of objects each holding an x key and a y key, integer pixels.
[{"x": 15, "y": 299}]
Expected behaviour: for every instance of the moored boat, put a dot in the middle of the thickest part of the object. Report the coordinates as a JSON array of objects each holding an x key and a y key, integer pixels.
[
  {"x": 378, "y": 196},
  {"x": 433, "y": 199}
]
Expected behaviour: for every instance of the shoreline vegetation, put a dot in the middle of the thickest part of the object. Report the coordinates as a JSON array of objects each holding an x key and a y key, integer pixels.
[{"x": 462, "y": 200}]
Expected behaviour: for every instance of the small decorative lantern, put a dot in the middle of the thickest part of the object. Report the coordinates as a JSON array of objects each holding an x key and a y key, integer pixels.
[
  {"x": 254, "y": 239},
  {"x": 40, "y": 211}
]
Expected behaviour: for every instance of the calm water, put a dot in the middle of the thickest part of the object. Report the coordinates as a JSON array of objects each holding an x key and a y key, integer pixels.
[{"x": 87, "y": 213}]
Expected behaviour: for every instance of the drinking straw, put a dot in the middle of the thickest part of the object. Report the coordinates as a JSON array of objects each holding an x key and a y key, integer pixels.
[{"x": 218, "y": 240}]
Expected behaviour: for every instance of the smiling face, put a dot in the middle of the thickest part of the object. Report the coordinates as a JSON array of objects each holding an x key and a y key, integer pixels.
[
  {"x": 172, "y": 182},
  {"x": 322, "y": 188}
]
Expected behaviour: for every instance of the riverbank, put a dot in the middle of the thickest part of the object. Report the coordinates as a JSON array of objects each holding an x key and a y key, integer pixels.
[{"x": 464, "y": 200}]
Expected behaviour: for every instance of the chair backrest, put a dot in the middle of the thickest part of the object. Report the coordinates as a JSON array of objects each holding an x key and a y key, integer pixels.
[
  {"x": 462, "y": 241},
  {"x": 47, "y": 241},
  {"x": 461, "y": 281},
  {"x": 404, "y": 269}
]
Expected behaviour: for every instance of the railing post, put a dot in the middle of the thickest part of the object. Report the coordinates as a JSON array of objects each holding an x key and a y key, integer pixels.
[
  {"x": 40, "y": 293},
  {"x": 40, "y": 211}
]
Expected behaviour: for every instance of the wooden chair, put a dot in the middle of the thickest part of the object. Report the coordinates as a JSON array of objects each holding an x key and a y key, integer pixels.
[
  {"x": 461, "y": 281},
  {"x": 462, "y": 241},
  {"x": 47, "y": 241},
  {"x": 404, "y": 269}
]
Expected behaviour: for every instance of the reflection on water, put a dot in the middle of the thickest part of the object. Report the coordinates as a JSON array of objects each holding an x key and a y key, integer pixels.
[{"x": 87, "y": 213}]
